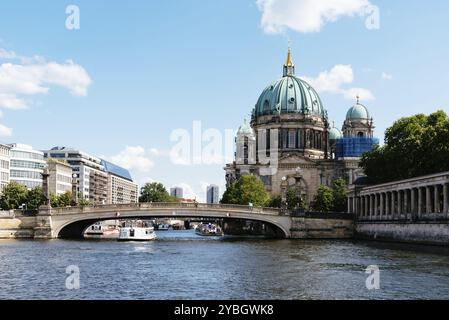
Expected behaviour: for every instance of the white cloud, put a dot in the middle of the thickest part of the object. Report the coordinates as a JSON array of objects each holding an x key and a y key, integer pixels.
[
  {"x": 335, "y": 80},
  {"x": 306, "y": 16},
  {"x": 9, "y": 101},
  {"x": 22, "y": 78},
  {"x": 33, "y": 79},
  {"x": 363, "y": 94},
  {"x": 5, "y": 54},
  {"x": 386, "y": 76},
  {"x": 134, "y": 159},
  {"x": 5, "y": 131}
]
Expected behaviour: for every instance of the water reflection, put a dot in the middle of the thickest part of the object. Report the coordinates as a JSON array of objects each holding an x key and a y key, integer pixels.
[{"x": 182, "y": 265}]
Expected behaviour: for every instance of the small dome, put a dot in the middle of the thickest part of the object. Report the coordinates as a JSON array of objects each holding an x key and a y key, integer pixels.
[
  {"x": 245, "y": 129},
  {"x": 358, "y": 112},
  {"x": 335, "y": 134}
]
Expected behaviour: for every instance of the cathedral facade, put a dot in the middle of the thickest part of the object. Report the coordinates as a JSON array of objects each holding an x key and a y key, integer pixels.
[{"x": 289, "y": 142}]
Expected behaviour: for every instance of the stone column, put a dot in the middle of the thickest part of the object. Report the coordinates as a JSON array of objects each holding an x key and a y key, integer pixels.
[
  {"x": 371, "y": 207},
  {"x": 382, "y": 211},
  {"x": 392, "y": 209},
  {"x": 387, "y": 205},
  {"x": 349, "y": 205},
  {"x": 412, "y": 202},
  {"x": 445, "y": 199},
  {"x": 354, "y": 205},
  {"x": 420, "y": 206},
  {"x": 366, "y": 200},
  {"x": 399, "y": 211},
  {"x": 428, "y": 203},
  {"x": 436, "y": 199},
  {"x": 406, "y": 207}
]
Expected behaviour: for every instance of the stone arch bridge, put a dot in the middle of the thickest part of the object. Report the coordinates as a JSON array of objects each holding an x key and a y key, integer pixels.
[{"x": 71, "y": 222}]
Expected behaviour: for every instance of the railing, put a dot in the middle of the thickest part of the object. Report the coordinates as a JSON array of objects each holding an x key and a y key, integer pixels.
[{"x": 168, "y": 206}]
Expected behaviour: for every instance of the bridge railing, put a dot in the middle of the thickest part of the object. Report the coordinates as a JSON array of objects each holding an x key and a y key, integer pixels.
[{"x": 163, "y": 205}]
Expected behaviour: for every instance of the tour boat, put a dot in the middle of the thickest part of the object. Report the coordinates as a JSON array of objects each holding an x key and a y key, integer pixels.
[
  {"x": 163, "y": 227},
  {"x": 100, "y": 231},
  {"x": 209, "y": 229},
  {"x": 136, "y": 234},
  {"x": 95, "y": 230}
]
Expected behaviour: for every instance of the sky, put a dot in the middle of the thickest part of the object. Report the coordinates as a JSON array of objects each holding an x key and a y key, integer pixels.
[{"x": 160, "y": 87}]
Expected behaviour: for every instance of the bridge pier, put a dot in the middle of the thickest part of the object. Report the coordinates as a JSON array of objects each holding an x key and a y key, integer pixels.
[{"x": 43, "y": 229}]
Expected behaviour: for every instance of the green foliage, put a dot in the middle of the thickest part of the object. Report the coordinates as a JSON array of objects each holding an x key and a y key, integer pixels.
[
  {"x": 155, "y": 192},
  {"x": 35, "y": 198},
  {"x": 61, "y": 201},
  {"x": 414, "y": 146},
  {"x": 248, "y": 189},
  {"x": 340, "y": 194},
  {"x": 275, "y": 201},
  {"x": 83, "y": 202},
  {"x": 293, "y": 201},
  {"x": 14, "y": 195},
  {"x": 324, "y": 199}
]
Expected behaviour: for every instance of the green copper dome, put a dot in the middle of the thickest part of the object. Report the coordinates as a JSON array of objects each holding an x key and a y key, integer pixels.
[
  {"x": 358, "y": 111},
  {"x": 335, "y": 134},
  {"x": 289, "y": 95}
]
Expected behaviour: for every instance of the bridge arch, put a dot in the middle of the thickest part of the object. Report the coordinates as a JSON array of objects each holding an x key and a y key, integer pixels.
[{"x": 73, "y": 222}]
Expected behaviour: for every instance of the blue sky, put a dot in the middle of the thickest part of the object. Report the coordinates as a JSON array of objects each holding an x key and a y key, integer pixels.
[{"x": 141, "y": 69}]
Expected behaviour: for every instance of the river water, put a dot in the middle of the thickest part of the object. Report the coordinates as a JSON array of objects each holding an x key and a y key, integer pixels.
[{"x": 182, "y": 265}]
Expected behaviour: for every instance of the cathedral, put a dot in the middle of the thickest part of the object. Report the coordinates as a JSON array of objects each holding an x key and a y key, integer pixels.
[{"x": 291, "y": 143}]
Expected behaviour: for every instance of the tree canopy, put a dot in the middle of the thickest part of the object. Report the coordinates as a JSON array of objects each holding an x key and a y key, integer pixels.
[
  {"x": 324, "y": 199},
  {"x": 248, "y": 189},
  {"x": 14, "y": 195},
  {"x": 155, "y": 192},
  {"x": 414, "y": 146},
  {"x": 62, "y": 200}
]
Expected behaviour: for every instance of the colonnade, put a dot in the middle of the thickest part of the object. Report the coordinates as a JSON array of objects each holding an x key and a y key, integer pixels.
[{"x": 401, "y": 201}]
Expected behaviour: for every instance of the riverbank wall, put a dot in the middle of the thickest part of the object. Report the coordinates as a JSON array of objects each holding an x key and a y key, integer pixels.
[
  {"x": 14, "y": 228},
  {"x": 422, "y": 232},
  {"x": 322, "y": 226}
]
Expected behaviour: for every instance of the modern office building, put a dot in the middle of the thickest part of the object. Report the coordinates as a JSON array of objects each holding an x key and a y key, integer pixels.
[
  {"x": 177, "y": 192},
  {"x": 213, "y": 194},
  {"x": 60, "y": 176},
  {"x": 92, "y": 180},
  {"x": 121, "y": 188},
  {"x": 98, "y": 181},
  {"x": 26, "y": 166},
  {"x": 5, "y": 160}
]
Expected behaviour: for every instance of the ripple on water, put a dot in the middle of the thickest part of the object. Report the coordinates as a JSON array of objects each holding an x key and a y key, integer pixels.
[{"x": 182, "y": 265}]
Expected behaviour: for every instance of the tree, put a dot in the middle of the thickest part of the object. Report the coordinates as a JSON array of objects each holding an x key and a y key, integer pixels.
[
  {"x": 340, "y": 194},
  {"x": 83, "y": 202},
  {"x": 61, "y": 201},
  {"x": 324, "y": 199},
  {"x": 248, "y": 189},
  {"x": 275, "y": 201},
  {"x": 293, "y": 201},
  {"x": 414, "y": 146},
  {"x": 155, "y": 192},
  {"x": 14, "y": 195},
  {"x": 35, "y": 198}
]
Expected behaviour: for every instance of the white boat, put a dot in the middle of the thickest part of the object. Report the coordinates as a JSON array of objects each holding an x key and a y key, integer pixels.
[
  {"x": 209, "y": 230},
  {"x": 163, "y": 227},
  {"x": 136, "y": 234},
  {"x": 95, "y": 230}
]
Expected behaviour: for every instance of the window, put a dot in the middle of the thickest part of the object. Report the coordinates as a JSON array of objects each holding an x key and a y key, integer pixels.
[{"x": 292, "y": 139}]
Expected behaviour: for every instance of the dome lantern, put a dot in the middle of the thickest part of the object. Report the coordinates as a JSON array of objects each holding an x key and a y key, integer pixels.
[{"x": 289, "y": 66}]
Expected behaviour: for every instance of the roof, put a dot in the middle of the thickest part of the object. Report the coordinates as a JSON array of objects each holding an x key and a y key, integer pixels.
[{"x": 116, "y": 170}]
